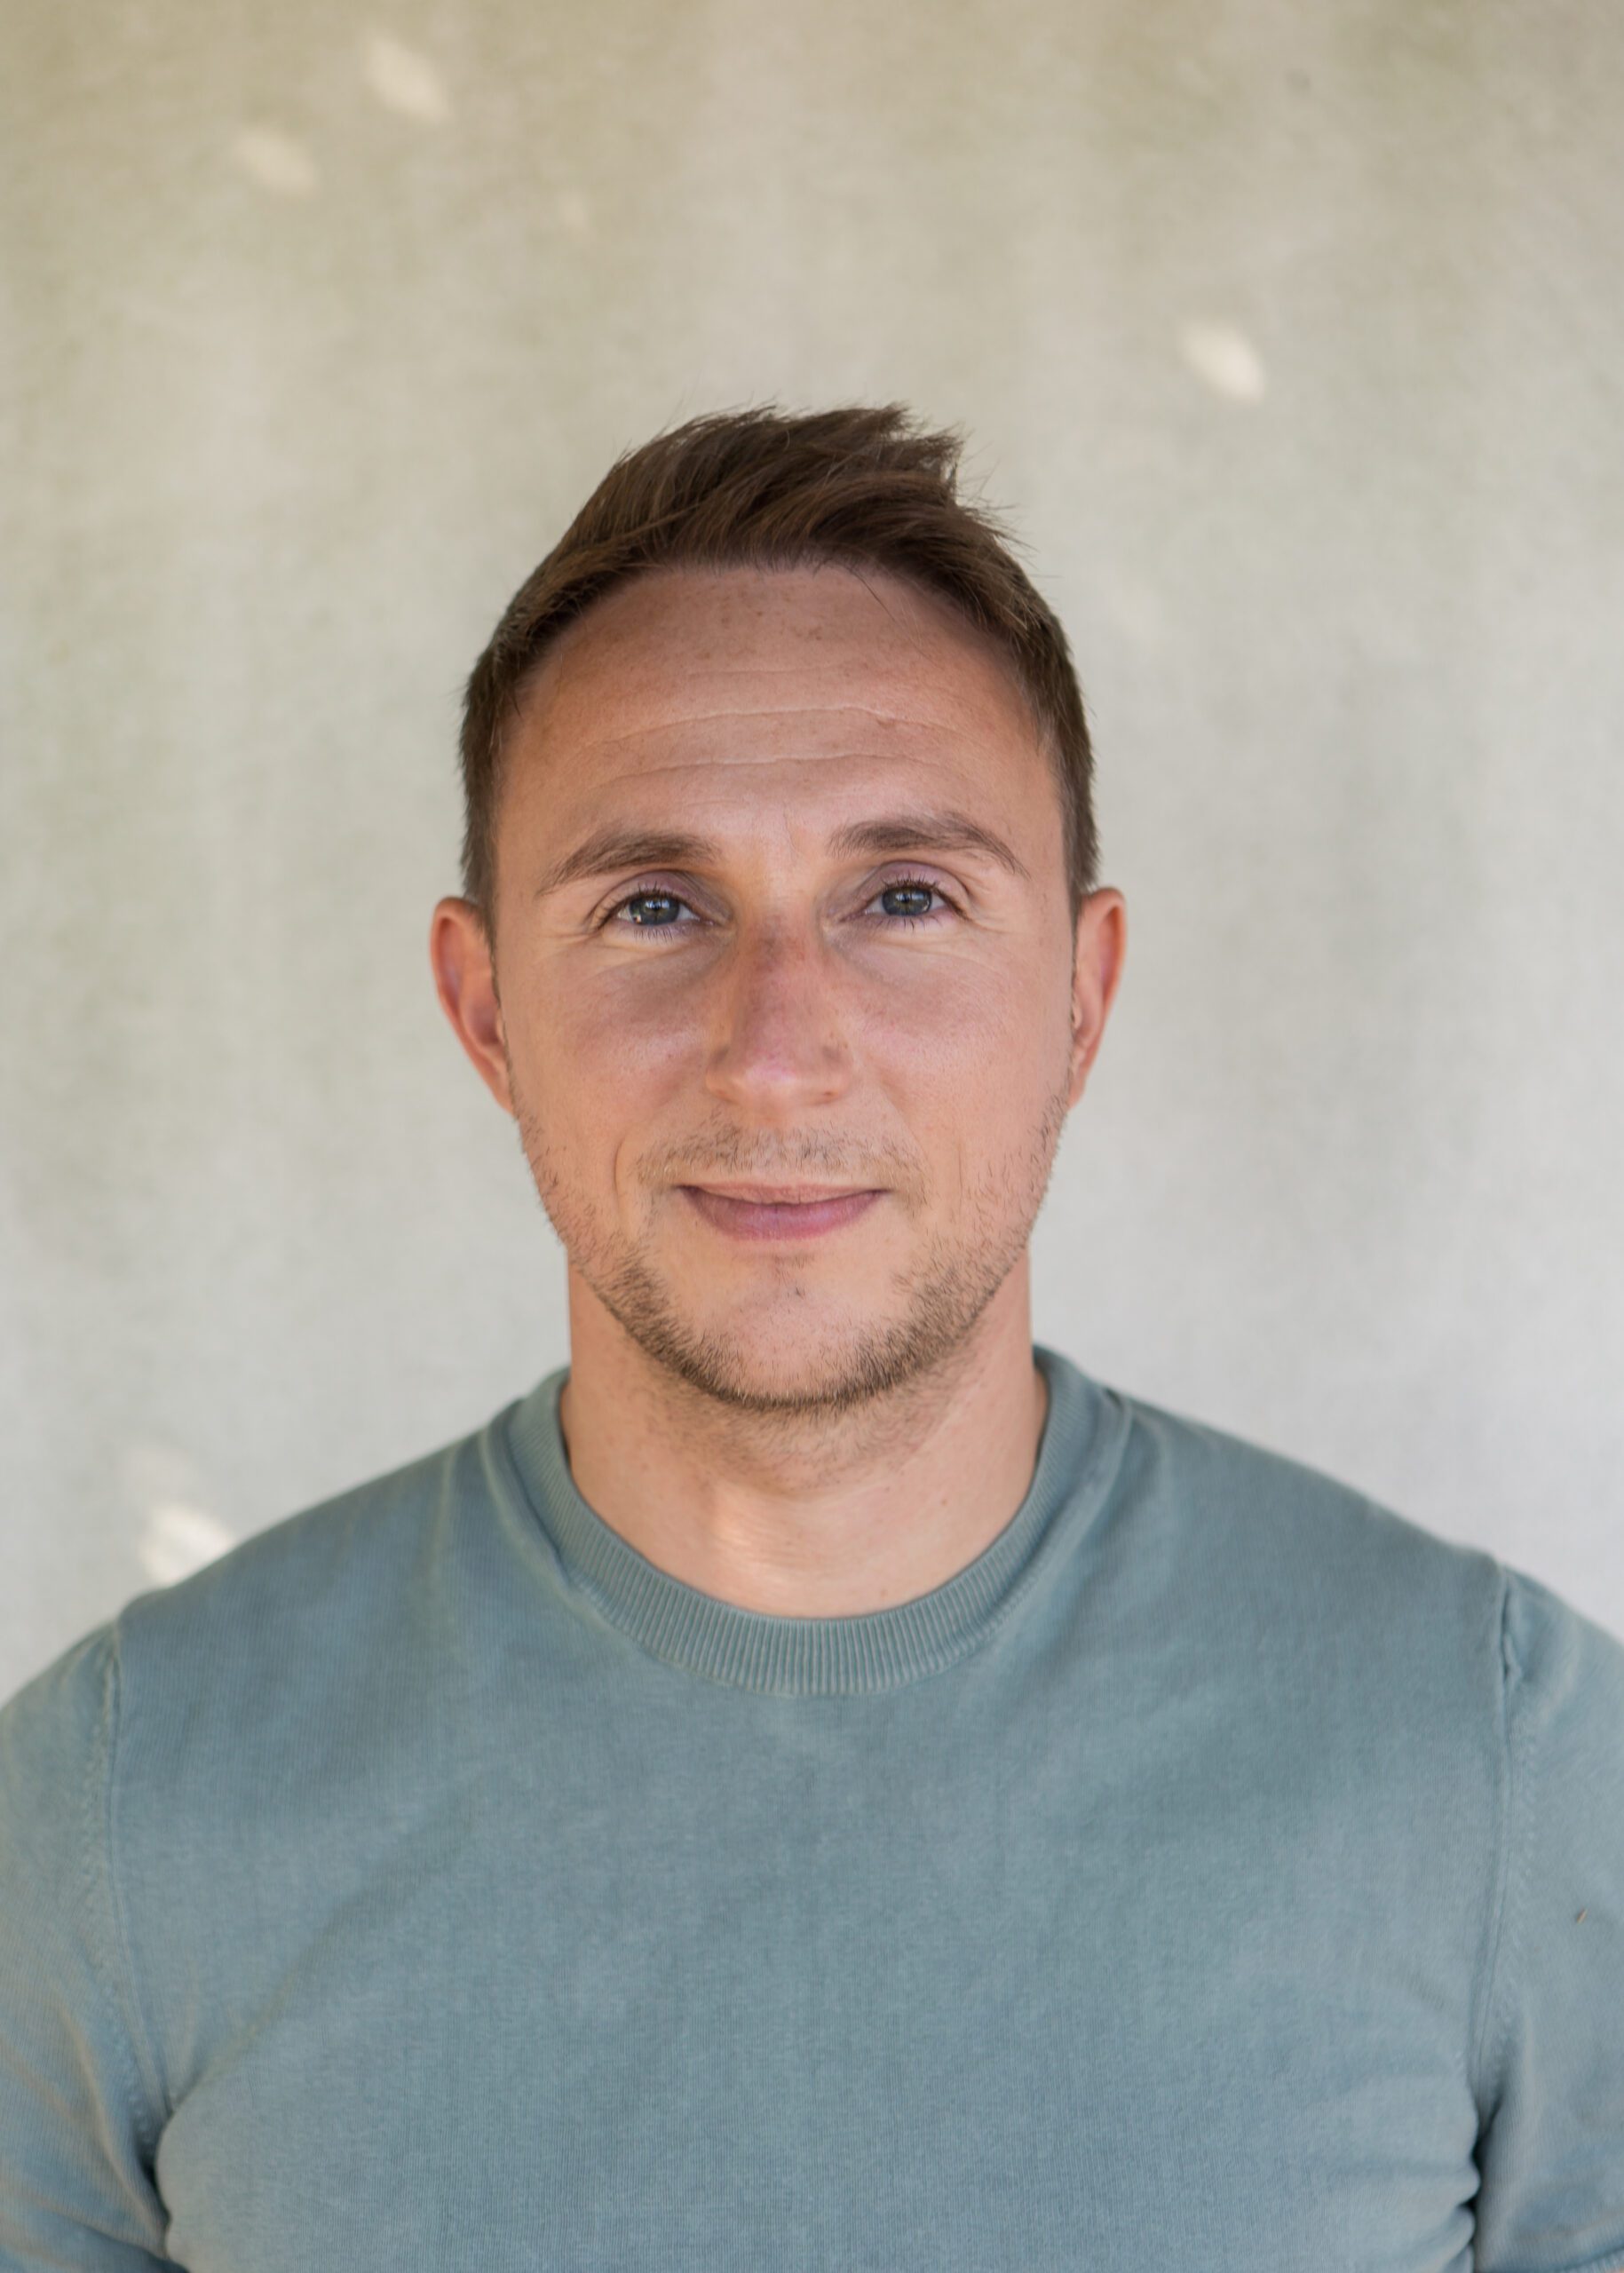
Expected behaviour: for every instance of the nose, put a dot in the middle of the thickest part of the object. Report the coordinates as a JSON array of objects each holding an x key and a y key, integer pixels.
[{"x": 778, "y": 1044}]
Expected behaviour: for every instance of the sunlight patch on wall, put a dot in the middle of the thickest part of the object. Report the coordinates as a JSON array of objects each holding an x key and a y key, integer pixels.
[
  {"x": 178, "y": 1540},
  {"x": 177, "y": 1534},
  {"x": 276, "y": 162},
  {"x": 404, "y": 81},
  {"x": 1223, "y": 355}
]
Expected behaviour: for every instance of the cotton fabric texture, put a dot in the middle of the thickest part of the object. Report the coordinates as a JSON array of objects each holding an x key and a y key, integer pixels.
[{"x": 1221, "y": 1872}]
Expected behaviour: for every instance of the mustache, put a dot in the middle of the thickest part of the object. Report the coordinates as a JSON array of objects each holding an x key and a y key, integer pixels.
[{"x": 830, "y": 1162}]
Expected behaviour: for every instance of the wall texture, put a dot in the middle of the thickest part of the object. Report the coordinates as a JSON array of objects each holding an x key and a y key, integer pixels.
[{"x": 1290, "y": 337}]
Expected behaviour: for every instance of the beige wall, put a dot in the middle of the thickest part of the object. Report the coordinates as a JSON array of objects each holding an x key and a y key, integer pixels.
[{"x": 1291, "y": 338}]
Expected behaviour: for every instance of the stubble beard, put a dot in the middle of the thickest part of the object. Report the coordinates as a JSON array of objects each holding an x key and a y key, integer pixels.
[{"x": 942, "y": 1294}]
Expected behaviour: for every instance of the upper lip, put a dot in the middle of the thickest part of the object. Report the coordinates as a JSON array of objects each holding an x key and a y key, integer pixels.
[{"x": 783, "y": 1194}]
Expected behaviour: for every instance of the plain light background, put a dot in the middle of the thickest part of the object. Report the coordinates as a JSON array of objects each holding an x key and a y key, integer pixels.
[{"x": 1289, "y": 336}]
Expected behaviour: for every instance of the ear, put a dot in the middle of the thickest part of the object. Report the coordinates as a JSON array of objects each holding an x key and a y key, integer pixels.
[
  {"x": 465, "y": 980},
  {"x": 1101, "y": 944}
]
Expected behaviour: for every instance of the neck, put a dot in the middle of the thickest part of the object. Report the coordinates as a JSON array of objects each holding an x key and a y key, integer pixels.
[{"x": 822, "y": 1515}]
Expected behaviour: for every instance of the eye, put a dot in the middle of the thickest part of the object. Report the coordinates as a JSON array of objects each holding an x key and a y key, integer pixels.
[
  {"x": 915, "y": 888},
  {"x": 657, "y": 898},
  {"x": 646, "y": 898}
]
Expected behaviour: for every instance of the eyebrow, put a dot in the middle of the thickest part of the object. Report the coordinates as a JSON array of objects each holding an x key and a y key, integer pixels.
[{"x": 614, "y": 847}]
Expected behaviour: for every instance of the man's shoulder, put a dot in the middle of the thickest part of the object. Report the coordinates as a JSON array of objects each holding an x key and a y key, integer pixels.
[
  {"x": 1293, "y": 1559},
  {"x": 1279, "y": 1540},
  {"x": 313, "y": 1589}
]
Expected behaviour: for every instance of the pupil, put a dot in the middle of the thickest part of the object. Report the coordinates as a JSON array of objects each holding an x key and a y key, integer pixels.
[
  {"x": 652, "y": 898},
  {"x": 916, "y": 891}
]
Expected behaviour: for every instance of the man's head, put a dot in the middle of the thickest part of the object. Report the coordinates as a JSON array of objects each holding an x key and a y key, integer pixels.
[{"x": 779, "y": 869}]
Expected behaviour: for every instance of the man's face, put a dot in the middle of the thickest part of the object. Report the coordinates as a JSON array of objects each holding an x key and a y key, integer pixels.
[{"x": 766, "y": 1004}]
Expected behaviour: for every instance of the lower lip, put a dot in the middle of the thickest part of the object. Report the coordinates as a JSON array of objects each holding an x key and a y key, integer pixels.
[{"x": 751, "y": 1219}]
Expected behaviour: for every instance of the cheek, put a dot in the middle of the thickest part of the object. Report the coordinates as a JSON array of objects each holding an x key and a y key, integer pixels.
[
  {"x": 981, "y": 1063},
  {"x": 603, "y": 1075},
  {"x": 975, "y": 1030},
  {"x": 604, "y": 1035}
]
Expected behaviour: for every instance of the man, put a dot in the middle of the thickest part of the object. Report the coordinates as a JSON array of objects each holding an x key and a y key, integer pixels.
[{"x": 820, "y": 1781}]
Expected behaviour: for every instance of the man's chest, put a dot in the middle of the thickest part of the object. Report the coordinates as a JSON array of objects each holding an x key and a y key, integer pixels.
[{"x": 1071, "y": 2009}]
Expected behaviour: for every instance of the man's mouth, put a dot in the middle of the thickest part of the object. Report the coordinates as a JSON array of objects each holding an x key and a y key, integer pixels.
[{"x": 765, "y": 1211}]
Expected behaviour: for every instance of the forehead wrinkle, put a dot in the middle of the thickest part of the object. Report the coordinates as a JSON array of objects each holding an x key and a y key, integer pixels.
[
  {"x": 934, "y": 725},
  {"x": 685, "y": 768},
  {"x": 715, "y": 663},
  {"x": 696, "y": 663}
]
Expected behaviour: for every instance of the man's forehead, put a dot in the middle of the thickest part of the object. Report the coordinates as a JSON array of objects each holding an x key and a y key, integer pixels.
[{"x": 694, "y": 665}]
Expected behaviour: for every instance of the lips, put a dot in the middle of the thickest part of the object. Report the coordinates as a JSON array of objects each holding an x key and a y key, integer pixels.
[
  {"x": 808, "y": 1217},
  {"x": 781, "y": 1194}
]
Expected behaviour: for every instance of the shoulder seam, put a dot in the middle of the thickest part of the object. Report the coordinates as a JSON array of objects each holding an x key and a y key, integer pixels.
[
  {"x": 1509, "y": 1794},
  {"x": 142, "y": 2071}
]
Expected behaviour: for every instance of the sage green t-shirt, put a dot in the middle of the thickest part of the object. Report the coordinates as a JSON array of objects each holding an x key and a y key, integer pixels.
[{"x": 1219, "y": 1872}]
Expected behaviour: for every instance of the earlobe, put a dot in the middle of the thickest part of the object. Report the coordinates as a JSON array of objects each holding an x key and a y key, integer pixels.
[{"x": 1083, "y": 1034}]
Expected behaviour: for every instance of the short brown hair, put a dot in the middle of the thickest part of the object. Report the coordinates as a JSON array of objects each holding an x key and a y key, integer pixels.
[{"x": 861, "y": 485}]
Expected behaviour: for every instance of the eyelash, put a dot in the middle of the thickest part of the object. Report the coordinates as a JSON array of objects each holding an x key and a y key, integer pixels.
[{"x": 890, "y": 922}]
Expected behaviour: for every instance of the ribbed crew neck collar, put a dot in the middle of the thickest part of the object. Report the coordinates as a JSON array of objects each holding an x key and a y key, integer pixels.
[{"x": 1084, "y": 1433}]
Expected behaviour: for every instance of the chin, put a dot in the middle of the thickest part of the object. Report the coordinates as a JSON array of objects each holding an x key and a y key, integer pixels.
[
  {"x": 795, "y": 1362},
  {"x": 765, "y": 1365}
]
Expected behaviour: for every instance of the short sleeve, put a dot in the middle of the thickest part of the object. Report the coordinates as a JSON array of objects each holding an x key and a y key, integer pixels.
[
  {"x": 75, "y": 2186},
  {"x": 1550, "y": 2067}
]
